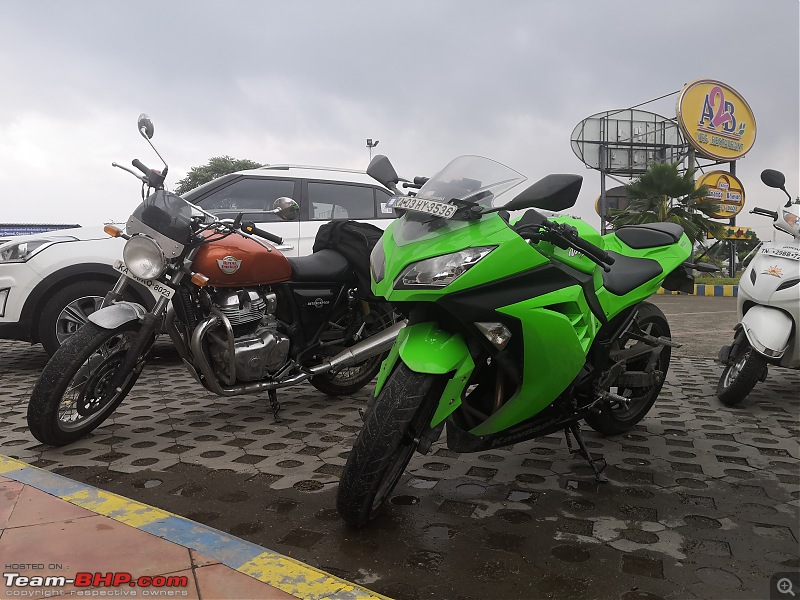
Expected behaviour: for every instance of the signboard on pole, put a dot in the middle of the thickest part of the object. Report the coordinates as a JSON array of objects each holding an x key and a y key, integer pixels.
[
  {"x": 734, "y": 232},
  {"x": 716, "y": 120},
  {"x": 725, "y": 191},
  {"x": 627, "y": 141}
]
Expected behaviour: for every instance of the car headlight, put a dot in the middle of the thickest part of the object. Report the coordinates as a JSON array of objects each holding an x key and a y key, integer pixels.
[
  {"x": 377, "y": 262},
  {"x": 440, "y": 271},
  {"x": 20, "y": 252},
  {"x": 144, "y": 257}
]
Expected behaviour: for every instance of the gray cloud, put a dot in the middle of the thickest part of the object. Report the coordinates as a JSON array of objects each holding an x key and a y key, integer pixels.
[{"x": 308, "y": 82}]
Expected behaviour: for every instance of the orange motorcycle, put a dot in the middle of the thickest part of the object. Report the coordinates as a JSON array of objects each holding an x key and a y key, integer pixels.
[{"x": 243, "y": 317}]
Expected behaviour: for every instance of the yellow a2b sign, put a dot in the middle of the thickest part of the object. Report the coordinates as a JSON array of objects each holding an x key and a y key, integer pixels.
[{"x": 716, "y": 120}]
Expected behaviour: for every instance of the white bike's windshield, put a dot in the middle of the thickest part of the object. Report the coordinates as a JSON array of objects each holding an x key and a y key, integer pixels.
[{"x": 472, "y": 179}]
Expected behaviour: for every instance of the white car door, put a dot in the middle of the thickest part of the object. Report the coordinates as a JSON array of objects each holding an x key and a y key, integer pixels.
[
  {"x": 252, "y": 196},
  {"x": 328, "y": 200}
]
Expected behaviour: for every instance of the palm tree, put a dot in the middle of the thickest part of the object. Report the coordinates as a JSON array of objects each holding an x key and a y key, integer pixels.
[{"x": 663, "y": 194}]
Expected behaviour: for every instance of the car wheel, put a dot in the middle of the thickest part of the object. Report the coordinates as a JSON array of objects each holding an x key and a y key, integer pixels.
[{"x": 68, "y": 309}]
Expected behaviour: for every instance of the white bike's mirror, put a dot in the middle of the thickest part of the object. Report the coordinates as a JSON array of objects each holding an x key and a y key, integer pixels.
[
  {"x": 145, "y": 125},
  {"x": 773, "y": 178}
]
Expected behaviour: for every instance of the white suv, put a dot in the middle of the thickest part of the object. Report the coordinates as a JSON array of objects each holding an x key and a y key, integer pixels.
[{"x": 51, "y": 282}]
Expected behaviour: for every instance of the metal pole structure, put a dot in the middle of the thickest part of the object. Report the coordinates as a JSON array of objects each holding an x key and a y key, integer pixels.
[
  {"x": 603, "y": 200},
  {"x": 690, "y": 160},
  {"x": 732, "y": 257},
  {"x": 371, "y": 145}
]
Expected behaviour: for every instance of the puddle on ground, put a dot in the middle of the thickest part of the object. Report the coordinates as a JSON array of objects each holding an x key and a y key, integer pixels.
[
  {"x": 405, "y": 500},
  {"x": 470, "y": 489},
  {"x": 519, "y": 496},
  {"x": 440, "y": 532}
]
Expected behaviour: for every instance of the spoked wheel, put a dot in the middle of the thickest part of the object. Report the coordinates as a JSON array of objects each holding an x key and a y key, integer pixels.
[
  {"x": 740, "y": 377},
  {"x": 351, "y": 379},
  {"x": 385, "y": 445},
  {"x": 621, "y": 416},
  {"x": 72, "y": 396}
]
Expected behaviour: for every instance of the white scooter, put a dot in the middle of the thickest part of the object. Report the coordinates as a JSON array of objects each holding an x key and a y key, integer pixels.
[{"x": 768, "y": 306}]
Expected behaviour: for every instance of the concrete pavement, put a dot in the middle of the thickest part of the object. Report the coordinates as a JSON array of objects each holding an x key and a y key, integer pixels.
[{"x": 702, "y": 501}]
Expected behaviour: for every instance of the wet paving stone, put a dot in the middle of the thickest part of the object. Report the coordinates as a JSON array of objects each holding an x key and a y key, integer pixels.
[
  {"x": 718, "y": 578},
  {"x": 703, "y": 501},
  {"x": 638, "y": 513},
  {"x": 701, "y": 522},
  {"x": 481, "y": 472},
  {"x": 692, "y": 483},
  {"x": 638, "y": 536},
  {"x": 578, "y": 504},
  {"x": 458, "y": 509},
  {"x": 576, "y": 526},
  {"x": 707, "y": 547},
  {"x": 643, "y": 565},
  {"x": 640, "y": 493},
  {"x": 301, "y": 538},
  {"x": 571, "y": 553},
  {"x": 543, "y": 526}
]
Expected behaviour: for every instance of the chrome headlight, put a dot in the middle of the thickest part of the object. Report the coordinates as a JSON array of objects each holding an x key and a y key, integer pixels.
[
  {"x": 20, "y": 252},
  {"x": 144, "y": 257},
  {"x": 440, "y": 271}
]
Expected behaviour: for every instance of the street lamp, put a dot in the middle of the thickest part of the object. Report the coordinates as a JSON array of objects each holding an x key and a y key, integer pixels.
[{"x": 371, "y": 145}]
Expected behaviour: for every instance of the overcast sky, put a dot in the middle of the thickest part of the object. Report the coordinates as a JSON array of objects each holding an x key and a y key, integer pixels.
[{"x": 308, "y": 82}]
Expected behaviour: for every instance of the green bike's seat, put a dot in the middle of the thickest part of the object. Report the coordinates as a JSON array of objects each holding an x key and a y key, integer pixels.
[
  {"x": 628, "y": 273},
  {"x": 650, "y": 235}
]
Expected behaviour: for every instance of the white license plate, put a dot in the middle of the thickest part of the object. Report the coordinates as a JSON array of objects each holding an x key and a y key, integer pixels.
[
  {"x": 154, "y": 286},
  {"x": 786, "y": 252},
  {"x": 437, "y": 209}
]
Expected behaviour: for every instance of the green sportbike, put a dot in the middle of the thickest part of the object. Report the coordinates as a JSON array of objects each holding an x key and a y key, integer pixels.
[{"x": 517, "y": 328}]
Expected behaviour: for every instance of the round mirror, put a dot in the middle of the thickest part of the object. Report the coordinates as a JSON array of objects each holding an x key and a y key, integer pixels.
[
  {"x": 773, "y": 178},
  {"x": 146, "y": 126},
  {"x": 287, "y": 209}
]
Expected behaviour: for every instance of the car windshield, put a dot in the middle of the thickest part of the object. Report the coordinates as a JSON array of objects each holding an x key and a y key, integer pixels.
[
  {"x": 167, "y": 213},
  {"x": 473, "y": 179}
]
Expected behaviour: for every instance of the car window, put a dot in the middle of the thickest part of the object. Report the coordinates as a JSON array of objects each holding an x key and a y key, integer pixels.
[
  {"x": 381, "y": 212},
  {"x": 248, "y": 194},
  {"x": 340, "y": 201}
]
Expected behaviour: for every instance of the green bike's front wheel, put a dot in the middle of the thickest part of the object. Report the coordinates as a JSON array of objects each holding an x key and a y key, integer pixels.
[{"x": 385, "y": 444}]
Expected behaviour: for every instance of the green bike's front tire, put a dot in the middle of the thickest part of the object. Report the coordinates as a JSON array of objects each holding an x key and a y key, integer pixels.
[{"x": 385, "y": 445}]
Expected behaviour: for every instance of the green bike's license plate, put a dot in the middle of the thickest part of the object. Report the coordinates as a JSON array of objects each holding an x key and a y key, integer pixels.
[{"x": 437, "y": 209}]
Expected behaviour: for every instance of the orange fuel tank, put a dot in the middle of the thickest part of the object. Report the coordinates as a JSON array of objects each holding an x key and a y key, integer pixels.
[{"x": 238, "y": 261}]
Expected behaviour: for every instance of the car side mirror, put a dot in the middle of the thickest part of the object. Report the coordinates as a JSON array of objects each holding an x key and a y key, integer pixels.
[{"x": 286, "y": 208}]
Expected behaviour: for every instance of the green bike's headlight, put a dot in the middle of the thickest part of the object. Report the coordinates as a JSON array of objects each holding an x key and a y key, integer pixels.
[
  {"x": 144, "y": 257},
  {"x": 377, "y": 262},
  {"x": 440, "y": 271}
]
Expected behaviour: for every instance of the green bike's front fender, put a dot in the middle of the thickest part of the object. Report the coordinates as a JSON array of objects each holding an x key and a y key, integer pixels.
[{"x": 426, "y": 348}]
